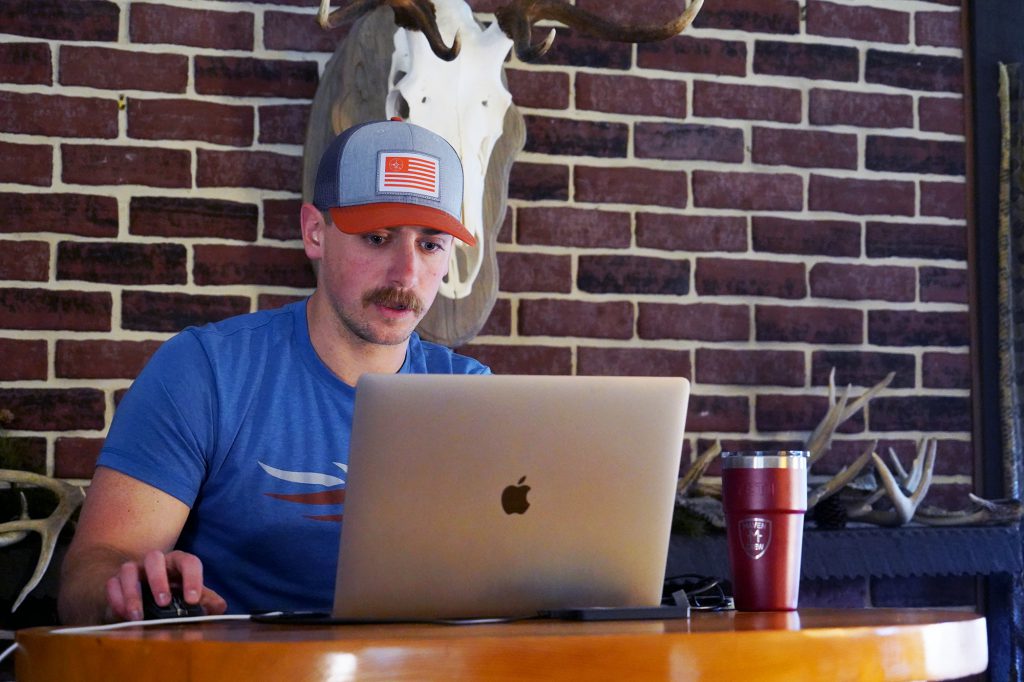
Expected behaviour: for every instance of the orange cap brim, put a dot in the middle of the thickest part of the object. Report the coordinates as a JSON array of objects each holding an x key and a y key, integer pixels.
[{"x": 370, "y": 217}]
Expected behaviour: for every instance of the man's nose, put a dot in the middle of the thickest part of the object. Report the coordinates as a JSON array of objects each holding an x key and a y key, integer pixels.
[{"x": 405, "y": 264}]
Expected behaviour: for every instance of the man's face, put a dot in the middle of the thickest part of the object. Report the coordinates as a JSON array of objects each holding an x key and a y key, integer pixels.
[{"x": 381, "y": 284}]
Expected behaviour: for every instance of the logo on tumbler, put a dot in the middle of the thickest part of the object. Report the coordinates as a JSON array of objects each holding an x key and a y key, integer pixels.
[{"x": 755, "y": 536}]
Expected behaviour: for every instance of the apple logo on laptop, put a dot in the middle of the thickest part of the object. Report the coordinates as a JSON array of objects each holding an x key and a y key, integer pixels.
[{"x": 513, "y": 498}]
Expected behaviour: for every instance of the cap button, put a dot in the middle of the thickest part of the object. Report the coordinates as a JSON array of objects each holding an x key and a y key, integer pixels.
[{"x": 396, "y": 118}]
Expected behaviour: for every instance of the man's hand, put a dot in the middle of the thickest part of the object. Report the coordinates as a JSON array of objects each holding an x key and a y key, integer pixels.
[{"x": 160, "y": 570}]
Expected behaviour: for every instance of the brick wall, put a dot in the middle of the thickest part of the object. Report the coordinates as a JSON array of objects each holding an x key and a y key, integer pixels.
[{"x": 777, "y": 192}]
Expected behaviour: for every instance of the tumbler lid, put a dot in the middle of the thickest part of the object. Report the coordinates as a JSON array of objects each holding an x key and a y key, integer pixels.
[{"x": 765, "y": 459}]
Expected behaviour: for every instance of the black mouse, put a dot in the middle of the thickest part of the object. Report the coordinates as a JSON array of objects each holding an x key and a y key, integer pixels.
[{"x": 177, "y": 608}]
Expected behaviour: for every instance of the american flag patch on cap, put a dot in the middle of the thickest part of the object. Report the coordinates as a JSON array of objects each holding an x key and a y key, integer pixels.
[{"x": 408, "y": 173}]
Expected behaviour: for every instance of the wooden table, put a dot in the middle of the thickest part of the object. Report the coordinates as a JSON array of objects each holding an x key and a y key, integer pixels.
[{"x": 812, "y": 644}]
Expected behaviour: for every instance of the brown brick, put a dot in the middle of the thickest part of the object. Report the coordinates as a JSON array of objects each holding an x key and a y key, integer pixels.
[
  {"x": 180, "y": 119},
  {"x": 870, "y": 24},
  {"x": 281, "y": 219},
  {"x": 934, "y": 73},
  {"x": 944, "y": 285},
  {"x": 941, "y": 29},
  {"x": 25, "y": 63},
  {"x": 88, "y": 164},
  {"x": 859, "y": 368},
  {"x": 752, "y": 102},
  {"x": 153, "y": 23},
  {"x": 946, "y": 370},
  {"x": 672, "y": 232},
  {"x": 76, "y": 457},
  {"x": 538, "y": 89},
  {"x": 633, "y": 275},
  {"x": 273, "y": 301},
  {"x": 942, "y": 115},
  {"x": 25, "y": 260},
  {"x": 804, "y": 148},
  {"x": 265, "y": 170},
  {"x": 808, "y": 325},
  {"x": 751, "y": 16},
  {"x": 749, "y": 367},
  {"x": 535, "y": 272},
  {"x": 806, "y": 237},
  {"x": 944, "y": 199},
  {"x": 102, "y": 359},
  {"x": 283, "y": 123},
  {"x": 52, "y": 409},
  {"x": 909, "y": 240},
  {"x": 26, "y": 164},
  {"x": 520, "y": 359},
  {"x": 81, "y": 214},
  {"x": 109, "y": 69},
  {"x": 546, "y": 317},
  {"x": 798, "y": 60},
  {"x": 797, "y": 413},
  {"x": 172, "y": 312},
  {"x": 23, "y": 359},
  {"x": 718, "y": 413},
  {"x": 58, "y": 20},
  {"x": 630, "y": 186},
  {"x": 748, "y": 191},
  {"x": 565, "y": 137},
  {"x": 685, "y": 141},
  {"x": 631, "y": 95},
  {"x": 538, "y": 182},
  {"x": 122, "y": 263},
  {"x": 910, "y": 155},
  {"x": 687, "y": 54},
  {"x": 695, "y": 321},
  {"x": 918, "y": 328},
  {"x": 55, "y": 310},
  {"x": 571, "y": 48},
  {"x": 857, "y": 196},
  {"x": 183, "y": 217},
  {"x": 57, "y": 115},
  {"x": 287, "y": 267},
  {"x": 920, "y": 413},
  {"x": 647, "y": 362},
  {"x": 863, "y": 109},
  {"x": 863, "y": 282},
  {"x": 298, "y": 33},
  {"x": 499, "y": 321},
  {"x": 249, "y": 77},
  {"x": 742, "y": 277},
  {"x": 27, "y": 454},
  {"x": 572, "y": 227}
]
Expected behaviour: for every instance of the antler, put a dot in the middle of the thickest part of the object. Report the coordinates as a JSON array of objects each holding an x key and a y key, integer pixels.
[
  {"x": 68, "y": 496},
  {"x": 698, "y": 468},
  {"x": 984, "y": 512},
  {"x": 415, "y": 15},
  {"x": 838, "y": 412},
  {"x": 518, "y": 17},
  {"x": 916, "y": 483}
]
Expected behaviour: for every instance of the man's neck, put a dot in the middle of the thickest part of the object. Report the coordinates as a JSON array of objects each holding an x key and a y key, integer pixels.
[{"x": 345, "y": 354}]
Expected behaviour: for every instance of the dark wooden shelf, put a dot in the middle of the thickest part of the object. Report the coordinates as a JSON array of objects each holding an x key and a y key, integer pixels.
[{"x": 875, "y": 552}]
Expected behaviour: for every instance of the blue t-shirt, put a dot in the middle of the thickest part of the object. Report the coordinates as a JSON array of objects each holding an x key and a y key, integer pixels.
[{"x": 243, "y": 422}]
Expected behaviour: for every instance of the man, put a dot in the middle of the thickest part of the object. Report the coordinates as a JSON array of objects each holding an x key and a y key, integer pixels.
[{"x": 224, "y": 467}]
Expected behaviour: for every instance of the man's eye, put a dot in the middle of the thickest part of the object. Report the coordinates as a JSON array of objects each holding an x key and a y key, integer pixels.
[
  {"x": 432, "y": 246},
  {"x": 375, "y": 239}
]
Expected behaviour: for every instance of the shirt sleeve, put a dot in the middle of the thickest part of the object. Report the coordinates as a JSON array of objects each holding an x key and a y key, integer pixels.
[{"x": 163, "y": 430}]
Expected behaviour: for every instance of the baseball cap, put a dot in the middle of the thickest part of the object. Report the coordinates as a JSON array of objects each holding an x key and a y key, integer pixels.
[{"x": 389, "y": 174}]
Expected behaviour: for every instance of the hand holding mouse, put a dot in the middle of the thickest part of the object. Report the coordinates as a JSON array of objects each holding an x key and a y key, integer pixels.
[{"x": 158, "y": 570}]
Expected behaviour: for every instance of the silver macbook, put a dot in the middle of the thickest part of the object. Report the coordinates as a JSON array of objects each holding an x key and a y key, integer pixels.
[{"x": 502, "y": 496}]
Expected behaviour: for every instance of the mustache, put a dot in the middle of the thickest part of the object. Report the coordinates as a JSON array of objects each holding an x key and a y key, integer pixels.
[{"x": 390, "y": 297}]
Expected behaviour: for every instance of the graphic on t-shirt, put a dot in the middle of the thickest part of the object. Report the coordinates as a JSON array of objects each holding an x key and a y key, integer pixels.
[{"x": 334, "y": 496}]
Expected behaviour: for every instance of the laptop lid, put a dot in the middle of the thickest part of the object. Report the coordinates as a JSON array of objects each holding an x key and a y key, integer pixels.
[{"x": 500, "y": 496}]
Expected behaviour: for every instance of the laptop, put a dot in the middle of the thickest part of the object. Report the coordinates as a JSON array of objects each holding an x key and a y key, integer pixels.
[{"x": 505, "y": 496}]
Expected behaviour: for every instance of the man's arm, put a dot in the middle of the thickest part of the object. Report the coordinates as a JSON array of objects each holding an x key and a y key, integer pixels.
[{"x": 126, "y": 534}]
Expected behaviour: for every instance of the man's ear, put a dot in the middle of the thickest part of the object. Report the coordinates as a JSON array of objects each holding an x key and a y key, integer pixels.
[{"x": 313, "y": 228}]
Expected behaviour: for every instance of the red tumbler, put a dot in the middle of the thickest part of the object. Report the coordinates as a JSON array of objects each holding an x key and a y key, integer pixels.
[{"x": 765, "y": 498}]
